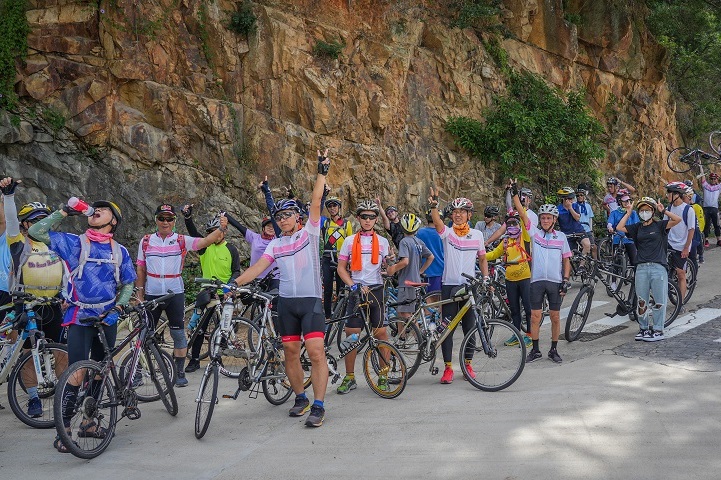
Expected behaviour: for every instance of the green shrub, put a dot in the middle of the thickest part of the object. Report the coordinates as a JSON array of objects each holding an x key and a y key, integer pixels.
[
  {"x": 192, "y": 270},
  {"x": 331, "y": 50},
  {"x": 243, "y": 20},
  {"x": 14, "y": 31},
  {"x": 54, "y": 117},
  {"x": 534, "y": 132},
  {"x": 474, "y": 13}
]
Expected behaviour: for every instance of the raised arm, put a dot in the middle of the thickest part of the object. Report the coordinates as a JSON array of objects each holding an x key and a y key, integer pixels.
[
  {"x": 11, "y": 224},
  {"x": 269, "y": 203},
  {"x": 384, "y": 217},
  {"x": 517, "y": 203},
  {"x": 433, "y": 203},
  {"x": 628, "y": 186},
  {"x": 40, "y": 231},
  {"x": 236, "y": 224},
  {"x": 319, "y": 187},
  {"x": 216, "y": 235}
]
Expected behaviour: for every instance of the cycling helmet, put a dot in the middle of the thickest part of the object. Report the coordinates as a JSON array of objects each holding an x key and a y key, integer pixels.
[
  {"x": 113, "y": 208},
  {"x": 286, "y": 204},
  {"x": 676, "y": 187},
  {"x": 391, "y": 208},
  {"x": 548, "y": 208},
  {"x": 513, "y": 214},
  {"x": 491, "y": 211},
  {"x": 410, "y": 223},
  {"x": 213, "y": 223},
  {"x": 688, "y": 183},
  {"x": 646, "y": 201},
  {"x": 713, "y": 176},
  {"x": 369, "y": 206},
  {"x": 612, "y": 181},
  {"x": 266, "y": 221},
  {"x": 526, "y": 192},
  {"x": 582, "y": 191},
  {"x": 689, "y": 191},
  {"x": 33, "y": 210},
  {"x": 566, "y": 192},
  {"x": 332, "y": 201},
  {"x": 461, "y": 203}
]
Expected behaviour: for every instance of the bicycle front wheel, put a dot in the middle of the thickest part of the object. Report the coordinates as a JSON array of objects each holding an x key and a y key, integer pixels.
[
  {"x": 161, "y": 379},
  {"x": 85, "y": 409},
  {"x": 673, "y": 305},
  {"x": 486, "y": 362},
  {"x": 407, "y": 338},
  {"x": 679, "y": 159},
  {"x": 201, "y": 335},
  {"x": 384, "y": 369},
  {"x": 240, "y": 344},
  {"x": 276, "y": 386},
  {"x": 53, "y": 361},
  {"x": 578, "y": 314},
  {"x": 207, "y": 398},
  {"x": 691, "y": 273}
]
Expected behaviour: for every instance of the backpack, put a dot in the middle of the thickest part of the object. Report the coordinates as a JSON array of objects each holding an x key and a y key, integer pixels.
[
  {"x": 116, "y": 258},
  {"x": 14, "y": 280},
  {"x": 145, "y": 242},
  {"x": 525, "y": 257},
  {"x": 696, "y": 241}
]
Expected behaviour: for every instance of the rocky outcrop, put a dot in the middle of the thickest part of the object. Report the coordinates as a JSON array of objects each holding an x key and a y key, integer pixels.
[{"x": 163, "y": 103}]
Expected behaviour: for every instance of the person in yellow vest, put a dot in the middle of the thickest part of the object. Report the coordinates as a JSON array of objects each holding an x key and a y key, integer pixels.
[{"x": 334, "y": 230}]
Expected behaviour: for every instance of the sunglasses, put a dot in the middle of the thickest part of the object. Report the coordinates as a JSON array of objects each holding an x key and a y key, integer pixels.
[
  {"x": 282, "y": 216},
  {"x": 165, "y": 219},
  {"x": 511, "y": 223},
  {"x": 367, "y": 216},
  {"x": 35, "y": 220}
]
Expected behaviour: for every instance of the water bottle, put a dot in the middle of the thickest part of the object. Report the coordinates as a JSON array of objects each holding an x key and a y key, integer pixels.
[
  {"x": 346, "y": 344},
  {"x": 432, "y": 326},
  {"x": 444, "y": 323},
  {"x": 80, "y": 206}
]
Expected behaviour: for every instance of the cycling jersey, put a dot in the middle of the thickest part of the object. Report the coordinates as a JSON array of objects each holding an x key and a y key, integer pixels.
[
  {"x": 370, "y": 273},
  {"x": 586, "y": 215},
  {"x": 615, "y": 218},
  {"x": 515, "y": 252},
  {"x": 40, "y": 268},
  {"x": 610, "y": 201},
  {"x": 163, "y": 260},
  {"x": 459, "y": 255},
  {"x": 429, "y": 236},
  {"x": 220, "y": 261},
  {"x": 710, "y": 194},
  {"x": 549, "y": 250},
  {"x": 335, "y": 233},
  {"x": 532, "y": 217},
  {"x": 566, "y": 223},
  {"x": 298, "y": 260}
]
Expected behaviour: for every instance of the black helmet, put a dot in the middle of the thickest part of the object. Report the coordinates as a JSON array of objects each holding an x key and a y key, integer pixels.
[{"x": 491, "y": 211}]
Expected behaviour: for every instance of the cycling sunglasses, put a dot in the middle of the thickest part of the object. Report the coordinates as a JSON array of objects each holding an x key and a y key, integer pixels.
[
  {"x": 283, "y": 215},
  {"x": 165, "y": 219},
  {"x": 367, "y": 216}
]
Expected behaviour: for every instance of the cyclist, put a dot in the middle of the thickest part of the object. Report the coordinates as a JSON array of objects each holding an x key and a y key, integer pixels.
[
  {"x": 569, "y": 218},
  {"x": 409, "y": 268},
  {"x": 461, "y": 246},
  {"x": 620, "y": 237},
  {"x": 391, "y": 222},
  {"x": 429, "y": 236},
  {"x": 613, "y": 184},
  {"x": 680, "y": 236},
  {"x": 300, "y": 309},
  {"x": 5, "y": 258},
  {"x": 219, "y": 260},
  {"x": 650, "y": 237},
  {"x": 711, "y": 190},
  {"x": 587, "y": 215},
  {"x": 550, "y": 271},
  {"x": 526, "y": 197},
  {"x": 100, "y": 283},
  {"x": 334, "y": 230},
  {"x": 161, "y": 256},
  {"x": 488, "y": 226},
  {"x": 696, "y": 252},
  {"x": 365, "y": 251}
]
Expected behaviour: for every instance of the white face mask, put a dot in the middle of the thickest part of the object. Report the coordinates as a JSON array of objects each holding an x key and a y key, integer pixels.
[{"x": 645, "y": 215}]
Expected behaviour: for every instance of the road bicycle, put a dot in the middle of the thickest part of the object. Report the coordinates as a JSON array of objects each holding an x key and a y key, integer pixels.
[
  {"x": 89, "y": 392},
  {"x": 37, "y": 368},
  {"x": 495, "y": 366},
  {"x": 684, "y": 159}
]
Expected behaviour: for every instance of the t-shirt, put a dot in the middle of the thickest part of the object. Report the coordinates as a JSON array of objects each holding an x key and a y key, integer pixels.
[
  {"x": 549, "y": 250},
  {"x": 5, "y": 263},
  {"x": 396, "y": 233},
  {"x": 650, "y": 240},
  {"x": 615, "y": 218},
  {"x": 217, "y": 261},
  {"x": 516, "y": 252},
  {"x": 370, "y": 273},
  {"x": 97, "y": 283},
  {"x": 335, "y": 233},
  {"x": 298, "y": 259},
  {"x": 414, "y": 250},
  {"x": 43, "y": 267},
  {"x": 566, "y": 222},
  {"x": 459, "y": 255},
  {"x": 163, "y": 262},
  {"x": 258, "y": 244},
  {"x": 487, "y": 231},
  {"x": 610, "y": 201},
  {"x": 710, "y": 194},
  {"x": 678, "y": 234},
  {"x": 586, "y": 215},
  {"x": 429, "y": 236}
]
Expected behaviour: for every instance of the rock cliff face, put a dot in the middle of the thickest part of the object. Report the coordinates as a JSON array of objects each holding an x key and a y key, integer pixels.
[{"x": 163, "y": 103}]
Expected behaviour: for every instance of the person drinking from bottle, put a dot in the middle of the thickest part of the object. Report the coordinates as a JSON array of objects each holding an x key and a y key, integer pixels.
[{"x": 300, "y": 309}]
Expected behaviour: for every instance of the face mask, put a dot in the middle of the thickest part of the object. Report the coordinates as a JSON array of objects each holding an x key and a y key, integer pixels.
[
  {"x": 645, "y": 215},
  {"x": 513, "y": 231}
]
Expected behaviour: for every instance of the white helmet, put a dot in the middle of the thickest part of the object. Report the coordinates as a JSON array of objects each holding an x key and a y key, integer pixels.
[{"x": 548, "y": 208}]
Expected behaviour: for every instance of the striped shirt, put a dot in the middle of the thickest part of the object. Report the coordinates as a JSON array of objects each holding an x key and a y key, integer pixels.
[
  {"x": 298, "y": 259},
  {"x": 370, "y": 273},
  {"x": 163, "y": 263},
  {"x": 710, "y": 194},
  {"x": 549, "y": 250},
  {"x": 459, "y": 255}
]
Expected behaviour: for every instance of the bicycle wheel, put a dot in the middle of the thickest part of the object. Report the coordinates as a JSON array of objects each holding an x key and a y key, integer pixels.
[
  {"x": 236, "y": 349},
  {"x": 691, "y": 273},
  {"x": 211, "y": 324},
  {"x": 407, "y": 338},
  {"x": 673, "y": 306},
  {"x": 383, "y": 360},
  {"x": 142, "y": 384},
  {"x": 276, "y": 386},
  {"x": 679, "y": 159},
  {"x": 714, "y": 141},
  {"x": 495, "y": 366},
  {"x": 91, "y": 403},
  {"x": 161, "y": 379},
  {"x": 578, "y": 314},
  {"x": 53, "y": 361},
  {"x": 207, "y": 398},
  {"x": 339, "y": 311}
]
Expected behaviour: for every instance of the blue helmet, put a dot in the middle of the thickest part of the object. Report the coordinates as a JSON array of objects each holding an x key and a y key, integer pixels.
[{"x": 286, "y": 204}]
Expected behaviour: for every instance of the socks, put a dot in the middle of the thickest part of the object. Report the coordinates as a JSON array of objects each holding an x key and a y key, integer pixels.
[
  {"x": 535, "y": 345},
  {"x": 32, "y": 392},
  {"x": 554, "y": 345},
  {"x": 350, "y": 375},
  {"x": 318, "y": 403},
  {"x": 302, "y": 395},
  {"x": 448, "y": 364}
]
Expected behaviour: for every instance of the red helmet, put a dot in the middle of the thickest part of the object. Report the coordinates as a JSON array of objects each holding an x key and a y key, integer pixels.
[{"x": 713, "y": 176}]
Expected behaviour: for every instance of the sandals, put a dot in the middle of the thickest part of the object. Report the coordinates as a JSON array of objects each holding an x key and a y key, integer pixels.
[
  {"x": 60, "y": 446},
  {"x": 98, "y": 432}
]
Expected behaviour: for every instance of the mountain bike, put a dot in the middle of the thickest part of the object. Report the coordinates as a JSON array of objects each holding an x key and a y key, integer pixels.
[
  {"x": 37, "y": 368},
  {"x": 684, "y": 159},
  {"x": 691, "y": 270},
  {"x": 89, "y": 392},
  {"x": 495, "y": 365}
]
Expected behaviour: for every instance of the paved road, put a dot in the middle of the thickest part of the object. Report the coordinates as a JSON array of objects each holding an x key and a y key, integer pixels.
[{"x": 615, "y": 409}]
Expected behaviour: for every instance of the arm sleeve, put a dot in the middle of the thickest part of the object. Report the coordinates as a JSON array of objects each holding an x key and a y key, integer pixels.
[
  {"x": 126, "y": 291},
  {"x": 495, "y": 253},
  {"x": 40, "y": 230},
  {"x": 270, "y": 204},
  {"x": 509, "y": 201},
  {"x": 12, "y": 224},
  {"x": 192, "y": 229},
  {"x": 234, "y": 262},
  {"x": 236, "y": 224}
]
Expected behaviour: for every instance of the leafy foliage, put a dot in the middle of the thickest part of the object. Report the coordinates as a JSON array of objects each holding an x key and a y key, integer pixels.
[
  {"x": 331, "y": 50},
  {"x": 14, "y": 31},
  {"x": 691, "y": 31},
  {"x": 474, "y": 13},
  {"x": 54, "y": 117},
  {"x": 243, "y": 20},
  {"x": 534, "y": 132}
]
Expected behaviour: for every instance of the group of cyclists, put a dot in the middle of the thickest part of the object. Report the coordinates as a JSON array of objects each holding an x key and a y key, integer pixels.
[{"x": 310, "y": 257}]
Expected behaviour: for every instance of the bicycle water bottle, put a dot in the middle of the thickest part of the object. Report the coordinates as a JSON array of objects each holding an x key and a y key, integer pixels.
[
  {"x": 80, "y": 206},
  {"x": 444, "y": 323},
  {"x": 346, "y": 344},
  {"x": 227, "y": 316}
]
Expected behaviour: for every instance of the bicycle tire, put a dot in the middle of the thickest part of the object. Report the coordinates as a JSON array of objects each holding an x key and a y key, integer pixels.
[
  {"x": 339, "y": 311},
  {"x": 207, "y": 395},
  {"x": 375, "y": 364},
  {"x": 165, "y": 389},
  {"x": 236, "y": 350},
  {"x": 486, "y": 365},
  {"x": 407, "y": 342},
  {"x": 85, "y": 407},
  {"x": 714, "y": 141},
  {"x": 691, "y": 274},
  {"x": 675, "y": 162},
  {"x": 16, "y": 385},
  {"x": 672, "y": 313},
  {"x": 149, "y": 392},
  {"x": 578, "y": 315},
  {"x": 276, "y": 390},
  {"x": 213, "y": 322}
]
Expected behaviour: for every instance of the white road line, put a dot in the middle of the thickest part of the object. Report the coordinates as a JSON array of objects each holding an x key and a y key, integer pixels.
[{"x": 691, "y": 320}]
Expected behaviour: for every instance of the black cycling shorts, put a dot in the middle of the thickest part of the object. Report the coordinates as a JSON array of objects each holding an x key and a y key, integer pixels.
[
  {"x": 676, "y": 260},
  {"x": 174, "y": 309},
  {"x": 549, "y": 289},
  {"x": 303, "y": 315},
  {"x": 375, "y": 308}
]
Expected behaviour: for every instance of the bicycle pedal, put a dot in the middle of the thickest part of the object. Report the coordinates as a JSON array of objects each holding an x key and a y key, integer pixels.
[
  {"x": 611, "y": 315},
  {"x": 131, "y": 413}
]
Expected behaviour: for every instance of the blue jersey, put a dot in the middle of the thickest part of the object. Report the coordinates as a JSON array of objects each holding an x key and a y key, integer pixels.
[
  {"x": 586, "y": 215},
  {"x": 5, "y": 261},
  {"x": 97, "y": 283},
  {"x": 566, "y": 223},
  {"x": 615, "y": 218},
  {"x": 430, "y": 237}
]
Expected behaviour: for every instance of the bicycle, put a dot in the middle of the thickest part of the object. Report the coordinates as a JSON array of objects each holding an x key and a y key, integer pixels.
[
  {"x": 683, "y": 159},
  {"x": 691, "y": 269},
  {"x": 489, "y": 358},
  {"x": 92, "y": 391},
  {"x": 626, "y": 303},
  {"x": 40, "y": 366}
]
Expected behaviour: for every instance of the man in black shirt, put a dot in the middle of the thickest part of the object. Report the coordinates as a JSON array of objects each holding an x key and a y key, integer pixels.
[{"x": 392, "y": 223}]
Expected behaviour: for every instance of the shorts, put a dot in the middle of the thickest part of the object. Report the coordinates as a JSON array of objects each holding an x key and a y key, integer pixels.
[
  {"x": 174, "y": 309},
  {"x": 434, "y": 284},
  {"x": 375, "y": 309},
  {"x": 405, "y": 294},
  {"x": 300, "y": 315},
  {"x": 573, "y": 243},
  {"x": 550, "y": 290},
  {"x": 675, "y": 260}
]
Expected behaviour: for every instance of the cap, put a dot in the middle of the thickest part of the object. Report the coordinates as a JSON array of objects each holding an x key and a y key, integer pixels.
[{"x": 165, "y": 208}]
